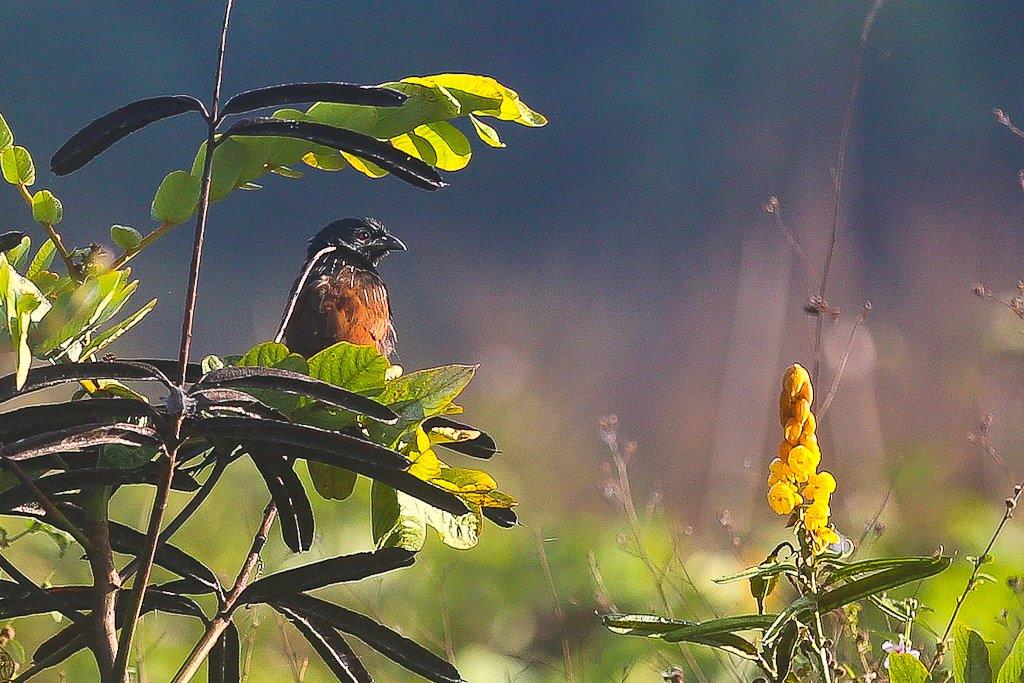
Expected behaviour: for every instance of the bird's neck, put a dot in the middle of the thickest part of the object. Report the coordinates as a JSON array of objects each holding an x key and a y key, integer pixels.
[{"x": 336, "y": 261}]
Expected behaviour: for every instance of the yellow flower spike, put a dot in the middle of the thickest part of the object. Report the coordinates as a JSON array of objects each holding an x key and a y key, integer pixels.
[
  {"x": 780, "y": 471},
  {"x": 820, "y": 486},
  {"x": 801, "y": 410},
  {"x": 824, "y": 537},
  {"x": 809, "y": 425},
  {"x": 803, "y": 461},
  {"x": 806, "y": 393},
  {"x": 784, "y": 449},
  {"x": 816, "y": 516},
  {"x": 795, "y": 379},
  {"x": 793, "y": 431},
  {"x": 783, "y": 498}
]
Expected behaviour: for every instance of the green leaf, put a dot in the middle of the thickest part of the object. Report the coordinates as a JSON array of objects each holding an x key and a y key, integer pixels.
[
  {"x": 332, "y": 483},
  {"x": 23, "y": 304},
  {"x": 859, "y": 589},
  {"x": 451, "y": 150},
  {"x": 17, "y": 166},
  {"x": 16, "y": 256},
  {"x": 905, "y": 668},
  {"x": 485, "y": 132},
  {"x": 6, "y": 136},
  {"x": 845, "y": 571},
  {"x": 356, "y": 368},
  {"x": 125, "y": 457},
  {"x": 77, "y": 311},
  {"x": 433, "y": 390},
  {"x": 229, "y": 159},
  {"x": 1013, "y": 668},
  {"x": 114, "y": 332},
  {"x": 126, "y": 237},
  {"x": 651, "y": 626},
  {"x": 42, "y": 260},
  {"x": 264, "y": 355},
  {"x": 46, "y": 208},
  {"x": 211, "y": 362},
  {"x": 176, "y": 198},
  {"x": 970, "y": 657},
  {"x": 389, "y": 526}
]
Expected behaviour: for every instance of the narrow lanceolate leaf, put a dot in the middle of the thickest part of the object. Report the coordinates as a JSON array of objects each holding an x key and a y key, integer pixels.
[
  {"x": 297, "y": 93},
  {"x": 712, "y": 634},
  {"x": 329, "y": 644},
  {"x": 276, "y": 379},
  {"x": 887, "y": 579},
  {"x": 396, "y": 647},
  {"x": 69, "y": 373},
  {"x": 300, "y": 438},
  {"x": 88, "y": 143},
  {"x": 846, "y": 571},
  {"x": 224, "y": 657},
  {"x": 286, "y": 489},
  {"x": 402, "y": 165},
  {"x": 482, "y": 446},
  {"x": 115, "y": 332},
  {"x": 325, "y": 573}
]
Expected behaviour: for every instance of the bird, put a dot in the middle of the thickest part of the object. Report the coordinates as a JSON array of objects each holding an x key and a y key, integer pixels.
[{"x": 339, "y": 295}]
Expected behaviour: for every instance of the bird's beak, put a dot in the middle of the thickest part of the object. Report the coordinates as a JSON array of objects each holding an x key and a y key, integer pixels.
[{"x": 391, "y": 243}]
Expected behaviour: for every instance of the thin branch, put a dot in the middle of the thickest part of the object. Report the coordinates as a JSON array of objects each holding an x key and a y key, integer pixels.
[
  {"x": 217, "y": 627},
  {"x": 1008, "y": 508},
  {"x": 865, "y": 310},
  {"x": 54, "y": 236},
  {"x": 164, "y": 488},
  {"x": 844, "y": 136},
  {"x": 40, "y": 592},
  {"x": 58, "y": 517}
]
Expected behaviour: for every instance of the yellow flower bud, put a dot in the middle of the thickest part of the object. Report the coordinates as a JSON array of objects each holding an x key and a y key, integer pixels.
[
  {"x": 795, "y": 379},
  {"x": 807, "y": 393},
  {"x": 809, "y": 425},
  {"x": 803, "y": 461},
  {"x": 816, "y": 516},
  {"x": 820, "y": 486},
  {"x": 783, "y": 498},
  {"x": 780, "y": 471}
]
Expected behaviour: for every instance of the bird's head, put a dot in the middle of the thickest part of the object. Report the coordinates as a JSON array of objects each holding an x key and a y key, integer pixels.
[{"x": 364, "y": 238}]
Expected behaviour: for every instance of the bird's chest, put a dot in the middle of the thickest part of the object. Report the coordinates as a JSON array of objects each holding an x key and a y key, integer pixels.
[{"x": 349, "y": 305}]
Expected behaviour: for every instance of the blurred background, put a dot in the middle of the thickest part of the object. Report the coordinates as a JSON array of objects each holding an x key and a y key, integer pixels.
[{"x": 618, "y": 260}]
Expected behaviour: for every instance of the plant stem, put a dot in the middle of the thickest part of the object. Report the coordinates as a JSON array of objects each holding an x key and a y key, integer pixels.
[
  {"x": 844, "y": 136},
  {"x": 223, "y": 618},
  {"x": 1010, "y": 505},
  {"x": 105, "y": 580},
  {"x": 58, "y": 243},
  {"x": 58, "y": 517},
  {"x": 164, "y": 487}
]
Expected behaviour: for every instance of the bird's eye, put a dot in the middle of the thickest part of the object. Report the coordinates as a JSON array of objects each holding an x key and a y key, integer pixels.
[{"x": 362, "y": 236}]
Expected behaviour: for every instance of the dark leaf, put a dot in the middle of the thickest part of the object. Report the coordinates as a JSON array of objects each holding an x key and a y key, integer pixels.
[
  {"x": 276, "y": 379},
  {"x": 235, "y": 402},
  {"x": 503, "y": 517},
  {"x": 297, "y": 93},
  {"x": 75, "y": 439},
  {"x": 785, "y": 647},
  {"x": 325, "y": 573},
  {"x": 88, "y": 143},
  {"x": 125, "y": 539},
  {"x": 331, "y": 647},
  {"x": 482, "y": 447},
  {"x": 26, "y": 602},
  {"x": 68, "y": 373},
  {"x": 224, "y": 657},
  {"x": 52, "y": 417},
  {"x": 301, "y": 437},
  {"x": 396, "y": 479},
  {"x": 391, "y": 644},
  {"x": 295, "y": 513},
  {"x": 75, "y": 480},
  {"x": 402, "y": 165},
  {"x": 9, "y": 240}
]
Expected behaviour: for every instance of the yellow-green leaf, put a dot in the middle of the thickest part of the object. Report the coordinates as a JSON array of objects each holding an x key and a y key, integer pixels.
[
  {"x": 333, "y": 483},
  {"x": 46, "y": 208},
  {"x": 176, "y": 198},
  {"x": 17, "y": 166},
  {"x": 451, "y": 148},
  {"x": 6, "y": 136},
  {"x": 367, "y": 168},
  {"x": 126, "y": 237},
  {"x": 485, "y": 132}
]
